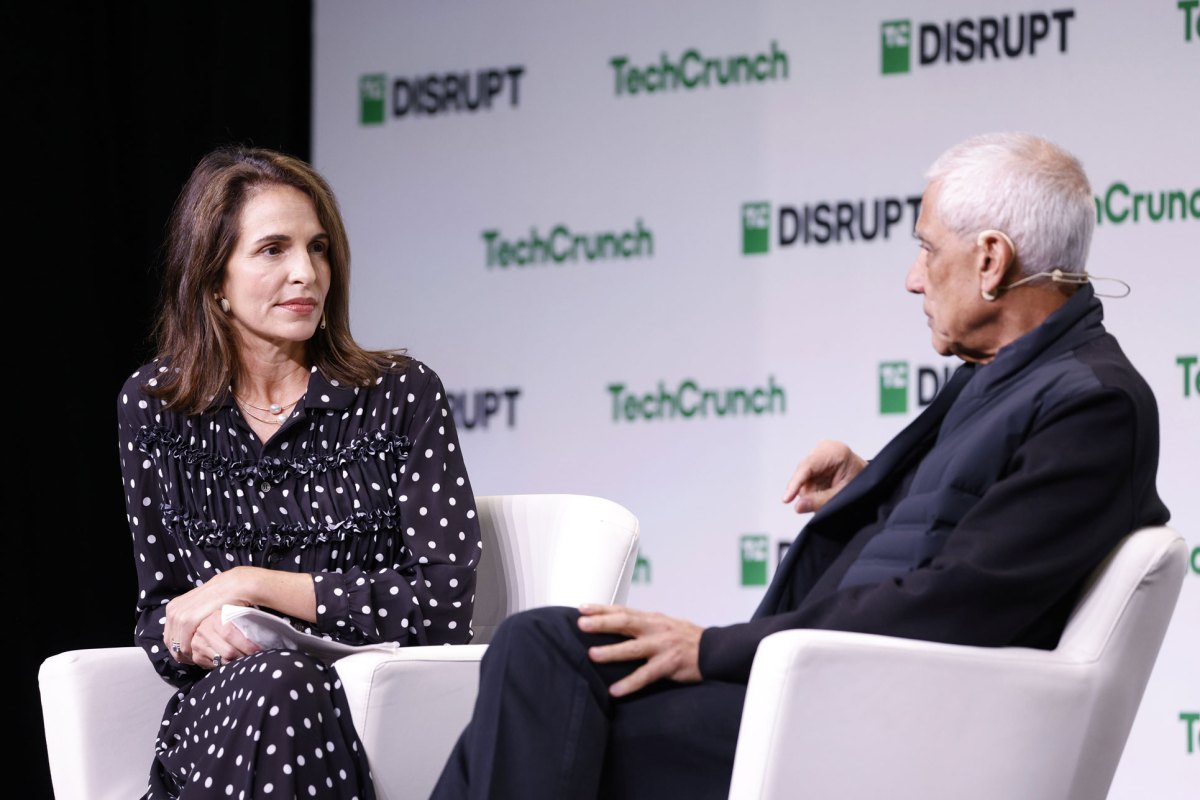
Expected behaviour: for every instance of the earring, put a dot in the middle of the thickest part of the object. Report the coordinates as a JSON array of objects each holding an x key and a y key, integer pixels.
[
  {"x": 989, "y": 296},
  {"x": 223, "y": 303},
  {"x": 322, "y": 322}
]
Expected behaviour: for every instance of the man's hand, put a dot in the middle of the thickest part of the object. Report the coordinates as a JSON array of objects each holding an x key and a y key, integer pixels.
[
  {"x": 670, "y": 646},
  {"x": 822, "y": 474}
]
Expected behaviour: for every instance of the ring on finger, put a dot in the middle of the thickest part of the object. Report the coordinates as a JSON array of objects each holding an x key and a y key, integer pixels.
[
  {"x": 216, "y": 659},
  {"x": 175, "y": 646}
]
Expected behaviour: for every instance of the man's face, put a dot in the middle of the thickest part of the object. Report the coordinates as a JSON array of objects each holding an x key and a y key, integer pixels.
[{"x": 947, "y": 273}]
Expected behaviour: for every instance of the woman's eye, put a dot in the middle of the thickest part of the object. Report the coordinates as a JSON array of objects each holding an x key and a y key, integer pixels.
[
  {"x": 272, "y": 250},
  {"x": 319, "y": 247}
]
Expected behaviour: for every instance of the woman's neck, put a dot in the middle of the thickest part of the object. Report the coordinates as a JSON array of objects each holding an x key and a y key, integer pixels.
[{"x": 276, "y": 378}]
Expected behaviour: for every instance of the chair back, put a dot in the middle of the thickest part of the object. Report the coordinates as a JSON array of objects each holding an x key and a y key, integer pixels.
[
  {"x": 550, "y": 549},
  {"x": 1117, "y": 629}
]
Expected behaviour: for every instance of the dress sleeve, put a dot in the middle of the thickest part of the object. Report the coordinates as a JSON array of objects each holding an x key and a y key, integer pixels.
[
  {"x": 160, "y": 575},
  {"x": 428, "y": 595},
  {"x": 1020, "y": 554}
]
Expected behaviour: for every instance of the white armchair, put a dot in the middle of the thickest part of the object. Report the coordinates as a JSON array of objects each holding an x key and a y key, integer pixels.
[
  {"x": 102, "y": 707},
  {"x": 410, "y": 706},
  {"x": 849, "y": 716}
]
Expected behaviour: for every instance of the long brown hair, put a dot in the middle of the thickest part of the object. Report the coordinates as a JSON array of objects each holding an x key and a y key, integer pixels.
[{"x": 193, "y": 336}]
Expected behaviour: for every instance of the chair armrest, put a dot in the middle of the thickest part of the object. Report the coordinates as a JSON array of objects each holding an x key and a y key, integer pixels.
[
  {"x": 409, "y": 708},
  {"x": 102, "y": 709},
  {"x": 920, "y": 713}
]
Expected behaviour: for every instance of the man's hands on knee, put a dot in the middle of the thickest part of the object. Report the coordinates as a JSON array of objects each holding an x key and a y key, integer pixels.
[
  {"x": 670, "y": 646},
  {"x": 822, "y": 474}
]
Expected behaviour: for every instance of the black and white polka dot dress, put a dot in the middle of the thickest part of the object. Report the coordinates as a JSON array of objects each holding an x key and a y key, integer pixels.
[{"x": 362, "y": 487}]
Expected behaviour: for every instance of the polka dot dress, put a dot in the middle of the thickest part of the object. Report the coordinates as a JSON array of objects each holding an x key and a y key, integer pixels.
[{"x": 365, "y": 489}]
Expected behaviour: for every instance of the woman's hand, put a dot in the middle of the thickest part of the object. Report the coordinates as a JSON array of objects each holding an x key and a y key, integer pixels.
[
  {"x": 215, "y": 643},
  {"x": 193, "y": 631},
  {"x": 202, "y": 607},
  {"x": 821, "y": 475}
]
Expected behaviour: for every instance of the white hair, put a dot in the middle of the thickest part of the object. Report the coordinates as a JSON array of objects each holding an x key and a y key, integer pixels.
[{"x": 1025, "y": 186}]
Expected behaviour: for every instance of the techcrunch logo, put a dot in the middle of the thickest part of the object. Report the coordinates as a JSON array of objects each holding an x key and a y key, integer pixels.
[
  {"x": 476, "y": 409},
  {"x": 966, "y": 39},
  {"x": 1191, "y": 375},
  {"x": 1193, "y": 730},
  {"x": 693, "y": 70},
  {"x": 562, "y": 245},
  {"x": 1191, "y": 18},
  {"x": 1118, "y": 205},
  {"x": 827, "y": 222},
  {"x": 434, "y": 93},
  {"x": 688, "y": 400},
  {"x": 894, "y": 385},
  {"x": 1196, "y": 560}
]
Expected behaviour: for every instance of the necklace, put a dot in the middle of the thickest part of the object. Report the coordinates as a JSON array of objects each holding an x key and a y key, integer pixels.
[
  {"x": 274, "y": 409},
  {"x": 275, "y": 420}
]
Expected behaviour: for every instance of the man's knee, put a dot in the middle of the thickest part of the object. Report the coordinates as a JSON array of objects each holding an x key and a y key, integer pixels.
[{"x": 537, "y": 625}]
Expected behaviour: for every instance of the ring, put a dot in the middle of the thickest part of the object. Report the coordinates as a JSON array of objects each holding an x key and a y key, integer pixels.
[
  {"x": 216, "y": 659},
  {"x": 175, "y": 646}
]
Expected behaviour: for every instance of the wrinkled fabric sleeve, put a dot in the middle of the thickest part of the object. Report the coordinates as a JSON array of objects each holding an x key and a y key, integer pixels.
[
  {"x": 427, "y": 597},
  {"x": 1065, "y": 501},
  {"x": 160, "y": 575}
]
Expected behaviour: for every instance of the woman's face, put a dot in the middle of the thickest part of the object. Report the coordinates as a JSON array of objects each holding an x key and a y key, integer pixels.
[{"x": 277, "y": 276}]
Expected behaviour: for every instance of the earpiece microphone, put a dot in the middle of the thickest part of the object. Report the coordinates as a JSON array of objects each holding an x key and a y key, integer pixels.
[{"x": 1056, "y": 275}]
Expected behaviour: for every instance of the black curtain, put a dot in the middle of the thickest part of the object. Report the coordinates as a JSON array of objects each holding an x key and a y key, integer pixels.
[{"x": 109, "y": 106}]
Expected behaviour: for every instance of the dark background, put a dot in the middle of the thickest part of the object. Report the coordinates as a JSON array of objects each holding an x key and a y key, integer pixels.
[{"x": 107, "y": 109}]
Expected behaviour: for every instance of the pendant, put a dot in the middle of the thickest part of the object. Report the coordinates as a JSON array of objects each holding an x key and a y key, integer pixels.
[
  {"x": 281, "y": 418},
  {"x": 275, "y": 408}
]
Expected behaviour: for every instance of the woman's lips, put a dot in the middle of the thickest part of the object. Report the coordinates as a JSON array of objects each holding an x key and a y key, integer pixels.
[{"x": 299, "y": 306}]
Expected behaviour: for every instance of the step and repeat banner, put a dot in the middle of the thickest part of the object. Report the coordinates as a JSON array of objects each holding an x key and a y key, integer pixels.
[{"x": 656, "y": 251}]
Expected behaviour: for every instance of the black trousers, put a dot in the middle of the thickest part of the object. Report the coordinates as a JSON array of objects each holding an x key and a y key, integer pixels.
[{"x": 544, "y": 725}]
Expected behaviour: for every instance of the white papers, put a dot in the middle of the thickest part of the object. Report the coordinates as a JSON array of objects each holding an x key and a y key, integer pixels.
[{"x": 270, "y": 631}]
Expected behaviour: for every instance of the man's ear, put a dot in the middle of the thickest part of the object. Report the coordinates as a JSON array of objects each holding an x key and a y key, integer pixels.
[{"x": 997, "y": 255}]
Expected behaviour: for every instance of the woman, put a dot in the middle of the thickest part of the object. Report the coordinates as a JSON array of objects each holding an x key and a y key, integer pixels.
[{"x": 270, "y": 461}]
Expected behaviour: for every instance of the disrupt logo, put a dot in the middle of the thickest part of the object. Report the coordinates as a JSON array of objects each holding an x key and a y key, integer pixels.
[
  {"x": 475, "y": 409},
  {"x": 894, "y": 383},
  {"x": 1191, "y": 375},
  {"x": 831, "y": 222},
  {"x": 1191, "y": 19},
  {"x": 1118, "y": 205},
  {"x": 641, "y": 570},
  {"x": 434, "y": 93},
  {"x": 693, "y": 70},
  {"x": 1193, "y": 730},
  {"x": 1196, "y": 560},
  {"x": 755, "y": 547},
  {"x": 969, "y": 39},
  {"x": 689, "y": 400},
  {"x": 562, "y": 245}
]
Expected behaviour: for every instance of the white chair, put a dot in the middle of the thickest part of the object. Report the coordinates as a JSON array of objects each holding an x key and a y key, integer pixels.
[
  {"x": 849, "y": 716},
  {"x": 410, "y": 706},
  {"x": 102, "y": 707}
]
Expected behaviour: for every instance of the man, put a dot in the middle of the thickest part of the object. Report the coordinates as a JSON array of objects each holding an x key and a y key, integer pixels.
[{"x": 976, "y": 525}]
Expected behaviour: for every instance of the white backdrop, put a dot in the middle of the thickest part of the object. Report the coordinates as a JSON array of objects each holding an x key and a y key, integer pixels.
[{"x": 612, "y": 118}]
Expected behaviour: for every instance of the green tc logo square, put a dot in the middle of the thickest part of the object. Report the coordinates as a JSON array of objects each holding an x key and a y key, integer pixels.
[
  {"x": 371, "y": 89},
  {"x": 896, "y": 36},
  {"x": 755, "y": 549},
  {"x": 756, "y": 227},
  {"x": 893, "y": 387}
]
